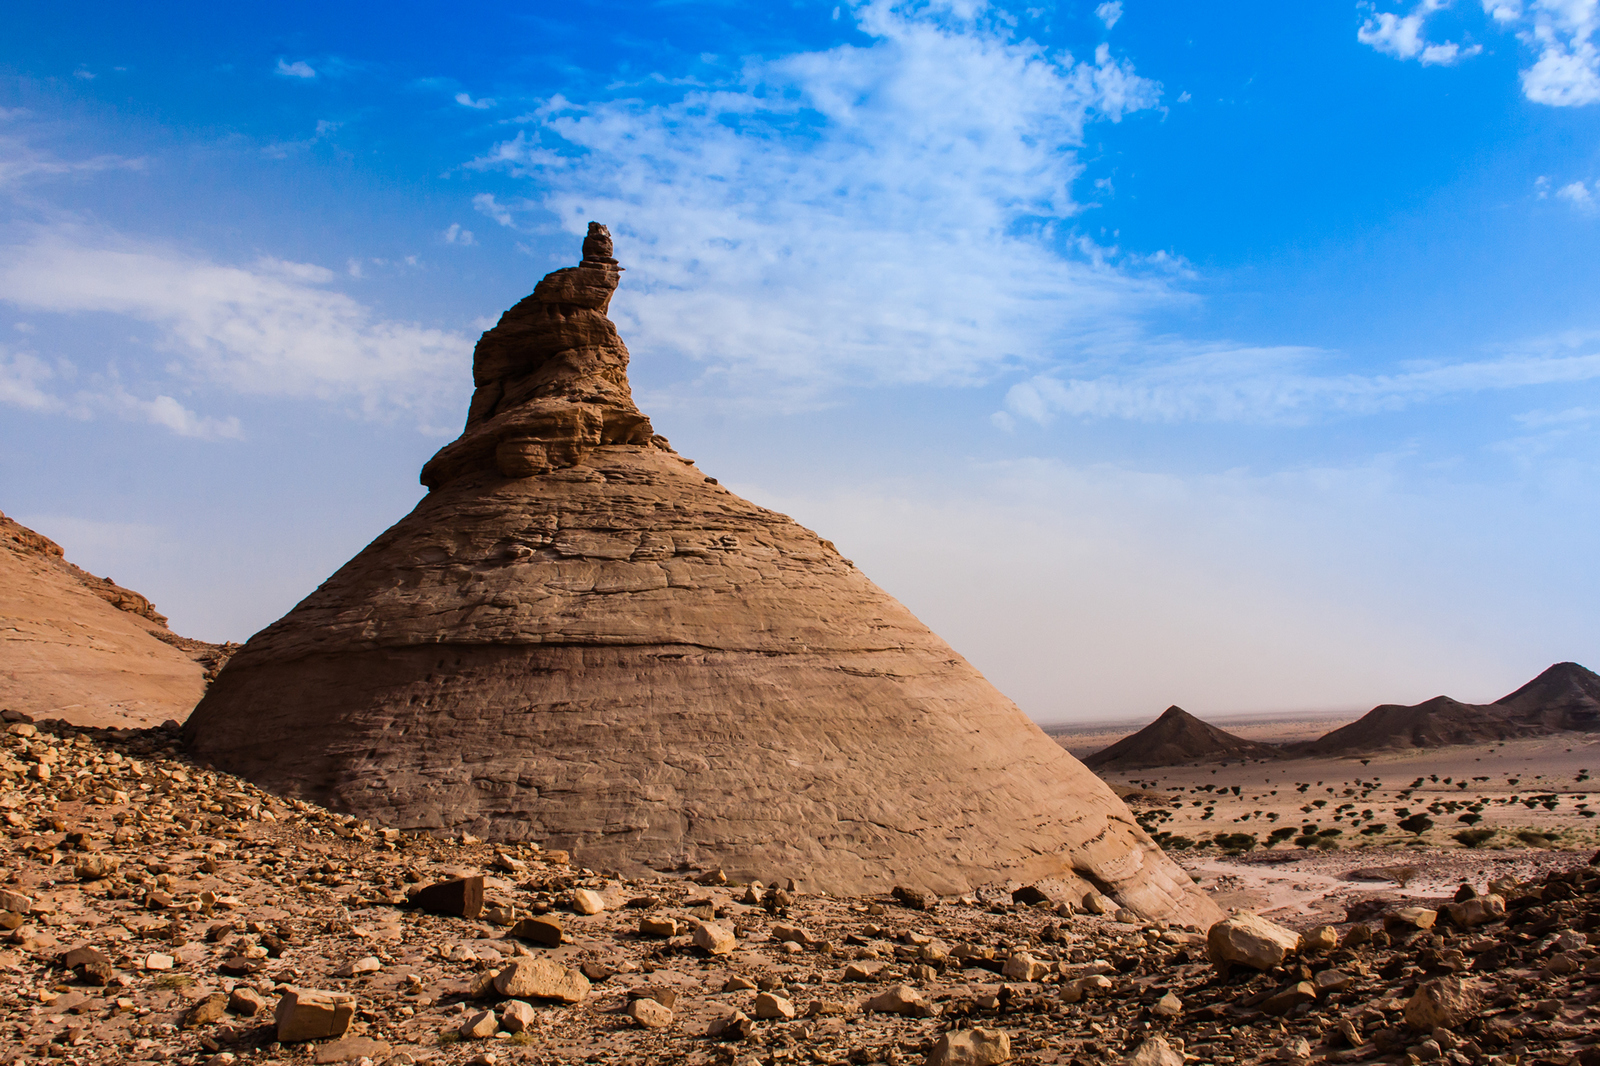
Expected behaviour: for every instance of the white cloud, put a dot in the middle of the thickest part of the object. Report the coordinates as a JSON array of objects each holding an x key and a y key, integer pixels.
[
  {"x": 1567, "y": 72},
  {"x": 480, "y": 104},
  {"x": 1578, "y": 195},
  {"x": 485, "y": 204},
  {"x": 1402, "y": 36},
  {"x": 298, "y": 69},
  {"x": 456, "y": 235},
  {"x": 1279, "y": 385},
  {"x": 899, "y": 211},
  {"x": 26, "y": 381},
  {"x": 1109, "y": 12},
  {"x": 270, "y": 329}
]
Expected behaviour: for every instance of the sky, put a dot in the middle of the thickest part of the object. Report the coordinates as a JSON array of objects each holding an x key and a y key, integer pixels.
[{"x": 1244, "y": 356}]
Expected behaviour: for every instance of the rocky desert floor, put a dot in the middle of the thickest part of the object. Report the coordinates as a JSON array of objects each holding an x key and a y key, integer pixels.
[{"x": 158, "y": 911}]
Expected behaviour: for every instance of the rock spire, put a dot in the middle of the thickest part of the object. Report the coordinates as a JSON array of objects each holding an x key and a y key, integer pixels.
[{"x": 578, "y": 638}]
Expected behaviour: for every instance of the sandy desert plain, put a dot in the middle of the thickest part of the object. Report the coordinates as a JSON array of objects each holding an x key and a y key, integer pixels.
[{"x": 1534, "y": 793}]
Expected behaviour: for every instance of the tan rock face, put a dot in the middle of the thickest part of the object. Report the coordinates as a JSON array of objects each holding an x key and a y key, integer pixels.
[
  {"x": 579, "y": 638},
  {"x": 1250, "y": 940},
  {"x": 83, "y": 648}
]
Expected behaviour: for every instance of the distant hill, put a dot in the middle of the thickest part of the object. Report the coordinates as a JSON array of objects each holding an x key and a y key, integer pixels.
[
  {"x": 1177, "y": 737},
  {"x": 1565, "y": 697},
  {"x": 84, "y": 648}
]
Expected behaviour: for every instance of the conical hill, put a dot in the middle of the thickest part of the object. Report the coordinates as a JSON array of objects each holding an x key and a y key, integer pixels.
[
  {"x": 578, "y": 638},
  {"x": 1174, "y": 739},
  {"x": 1566, "y": 696}
]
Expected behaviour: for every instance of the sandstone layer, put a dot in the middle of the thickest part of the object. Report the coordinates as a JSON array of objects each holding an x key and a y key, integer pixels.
[
  {"x": 84, "y": 649},
  {"x": 579, "y": 638}
]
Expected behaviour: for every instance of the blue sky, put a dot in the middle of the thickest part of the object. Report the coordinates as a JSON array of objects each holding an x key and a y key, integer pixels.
[{"x": 1244, "y": 356}]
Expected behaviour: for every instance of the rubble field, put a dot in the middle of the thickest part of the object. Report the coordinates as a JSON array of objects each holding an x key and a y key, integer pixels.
[{"x": 152, "y": 910}]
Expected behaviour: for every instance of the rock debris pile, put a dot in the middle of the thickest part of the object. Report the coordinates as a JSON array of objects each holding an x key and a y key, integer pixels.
[{"x": 156, "y": 911}]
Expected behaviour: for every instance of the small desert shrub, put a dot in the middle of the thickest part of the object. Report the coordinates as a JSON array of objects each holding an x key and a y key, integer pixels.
[
  {"x": 1235, "y": 841},
  {"x": 1536, "y": 839},
  {"x": 1469, "y": 819},
  {"x": 174, "y": 981},
  {"x": 1474, "y": 838},
  {"x": 1417, "y": 824}
]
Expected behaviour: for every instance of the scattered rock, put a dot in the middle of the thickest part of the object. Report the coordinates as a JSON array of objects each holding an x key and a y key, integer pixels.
[
  {"x": 479, "y": 1026},
  {"x": 532, "y": 978},
  {"x": 351, "y": 1049},
  {"x": 461, "y": 897},
  {"x": 972, "y": 1047},
  {"x": 713, "y": 939},
  {"x": 649, "y": 1014},
  {"x": 309, "y": 1014},
  {"x": 541, "y": 930},
  {"x": 587, "y": 901},
  {"x": 1250, "y": 940},
  {"x": 901, "y": 999},
  {"x": 1155, "y": 1051},
  {"x": 770, "y": 1007},
  {"x": 1444, "y": 1002}
]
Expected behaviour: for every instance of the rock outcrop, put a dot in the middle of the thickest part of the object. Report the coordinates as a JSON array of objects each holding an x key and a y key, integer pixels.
[
  {"x": 579, "y": 638},
  {"x": 84, "y": 649},
  {"x": 1174, "y": 739}
]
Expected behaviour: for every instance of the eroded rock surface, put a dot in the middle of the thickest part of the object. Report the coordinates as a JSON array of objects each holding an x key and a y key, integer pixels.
[
  {"x": 580, "y": 638},
  {"x": 85, "y": 649}
]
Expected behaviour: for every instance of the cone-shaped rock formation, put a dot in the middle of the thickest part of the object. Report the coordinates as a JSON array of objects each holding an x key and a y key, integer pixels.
[
  {"x": 1176, "y": 738},
  {"x": 578, "y": 638}
]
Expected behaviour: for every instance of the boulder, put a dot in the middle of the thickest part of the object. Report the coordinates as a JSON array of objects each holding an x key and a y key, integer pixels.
[
  {"x": 713, "y": 939},
  {"x": 901, "y": 999},
  {"x": 460, "y": 898},
  {"x": 971, "y": 1047},
  {"x": 1155, "y": 1051},
  {"x": 1442, "y": 1003},
  {"x": 308, "y": 1014},
  {"x": 648, "y": 1013},
  {"x": 533, "y": 978},
  {"x": 1249, "y": 940}
]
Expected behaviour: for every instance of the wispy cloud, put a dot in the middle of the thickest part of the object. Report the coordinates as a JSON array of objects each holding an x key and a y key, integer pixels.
[
  {"x": 1281, "y": 385},
  {"x": 272, "y": 328},
  {"x": 1403, "y": 36},
  {"x": 298, "y": 69},
  {"x": 899, "y": 211},
  {"x": 28, "y": 382},
  {"x": 456, "y": 235},
  {"x": 20, "y": 160},
  {"x": 1109, "y": 13},
  {"x": 482, "y": 103}
]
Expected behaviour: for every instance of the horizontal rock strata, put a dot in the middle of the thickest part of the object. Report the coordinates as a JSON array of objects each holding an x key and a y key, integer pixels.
[{"x": 578, "y": 637}]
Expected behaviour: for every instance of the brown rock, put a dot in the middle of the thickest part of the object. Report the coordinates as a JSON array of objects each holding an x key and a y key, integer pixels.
[
  {"x": 649, "y": 1014},
  {"x": 713, "y": 939},
  {"x": 480, "y": 1025},
  {"x": 83, "y": 648},
  {"x": 1478, "y": 910},
  {"x": 350, "y": 1049},
  {"x": 461, "y": 898},
  {"x": 1286, "y": 999},
  {"x": 90, "y": 964},
  {"x": 1250, "y": 940},
  {"x": 246, "y": 1002},
  {"x": 206, "y": 1012},
  {"x": 1443, "y": 1003},
  {"x": 541, "y": 979},
  {"x": 769, "y": 1007},
  {"x": 807, "y": 697},
  {"x": 541, "y": 930},
  {"x": 307, "y": 1014},
  {"x": 516, "y": 1016},
  {"x": 971, "y": 1047},
  {"x": 1155, "y": 1051},
  {"x": 901, "y": 999}
]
